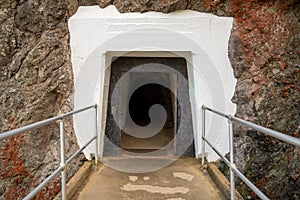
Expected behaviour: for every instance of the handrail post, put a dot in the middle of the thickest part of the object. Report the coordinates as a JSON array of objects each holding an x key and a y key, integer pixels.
[
  {"x": 203, "y": 134},
  {"x": 62, "y": 159},
  {"x": 232, "y": 182},
  {"x": 96, "y": 134}
]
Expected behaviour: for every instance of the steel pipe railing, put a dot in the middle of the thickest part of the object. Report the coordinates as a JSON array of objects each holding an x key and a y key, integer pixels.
[
  {"x": 62, "y": 159},
  {"x": 238, "y": 173},
  {"x": 43, "y": 184},
  {"x": 18, "y": 131},
  {"x": 96, "y": 137},
  {"x": 63, "y": 162},
  {"x": 203, "y": 136},
  {"x": 270, "y": 132},
  {"x": 80, "y": 150},
  {"x": 232, "y": 182},
  {"x": 230, "y": 163}
]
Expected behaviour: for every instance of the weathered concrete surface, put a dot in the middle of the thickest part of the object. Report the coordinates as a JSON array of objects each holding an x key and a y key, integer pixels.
[{"x": 183, "y": 180}]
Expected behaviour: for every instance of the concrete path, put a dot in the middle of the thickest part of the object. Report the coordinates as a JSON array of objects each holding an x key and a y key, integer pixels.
[{"x": 182, "y": 180}]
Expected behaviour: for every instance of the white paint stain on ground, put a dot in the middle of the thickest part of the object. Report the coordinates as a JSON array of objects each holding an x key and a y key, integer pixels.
[
  {"x": 155, "y": 189},
  {"x": 146, "y": 178},
  {"x": 133, "y": 178},
  {"x": 176, "y": 199},
  {"x": 184, "y": 176}
]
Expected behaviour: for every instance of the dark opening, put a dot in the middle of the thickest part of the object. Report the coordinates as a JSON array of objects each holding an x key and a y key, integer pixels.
[
  {"x": 145, "y": 97},
  {"x": 139, "y": 105}
]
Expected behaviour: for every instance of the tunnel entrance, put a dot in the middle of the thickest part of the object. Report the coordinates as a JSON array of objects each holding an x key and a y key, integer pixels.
[
  {"x": 139, "y": 105},
  {"x": 136, "y": 100},
  {"x": 203, "y": 42}
]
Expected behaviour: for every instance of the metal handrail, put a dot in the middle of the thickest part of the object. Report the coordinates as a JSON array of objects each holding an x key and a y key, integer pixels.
[
  {"x": 64, "y": 162},
  {"x": 230, "y": 163},
  {"x": 18, "y": 131}
]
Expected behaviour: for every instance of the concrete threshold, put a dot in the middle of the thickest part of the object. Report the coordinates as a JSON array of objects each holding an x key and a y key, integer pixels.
[
  {"x": 182, "y": 180},
  {"x": 77, "y": 184}
]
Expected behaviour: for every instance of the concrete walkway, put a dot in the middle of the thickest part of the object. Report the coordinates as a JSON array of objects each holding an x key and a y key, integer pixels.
[{"x": 182, "y": 180}]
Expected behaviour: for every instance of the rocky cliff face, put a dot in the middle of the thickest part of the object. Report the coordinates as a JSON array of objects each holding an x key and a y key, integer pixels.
[{"x": 36, "y": 83}]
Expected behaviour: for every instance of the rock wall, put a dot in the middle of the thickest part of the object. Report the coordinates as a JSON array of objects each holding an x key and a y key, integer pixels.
[
  {"x": 264, "y": 51},
  {"x": 36, "y": 83}
]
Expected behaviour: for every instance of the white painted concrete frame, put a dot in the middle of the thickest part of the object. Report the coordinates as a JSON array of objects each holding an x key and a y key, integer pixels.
[{"x": 98, "y": 34}]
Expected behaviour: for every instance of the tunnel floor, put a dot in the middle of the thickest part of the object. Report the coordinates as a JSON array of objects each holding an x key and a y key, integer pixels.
[{"x": 158, "y": 141}]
